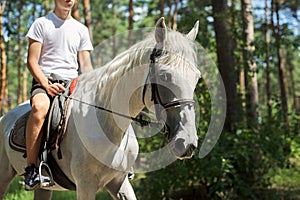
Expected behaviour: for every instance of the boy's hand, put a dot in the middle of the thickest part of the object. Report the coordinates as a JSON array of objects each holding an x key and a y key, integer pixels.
[{"x": 54, "y": 88}]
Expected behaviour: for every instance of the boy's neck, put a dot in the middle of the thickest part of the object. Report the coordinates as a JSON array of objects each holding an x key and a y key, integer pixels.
[{"x": 63, "y": 14}]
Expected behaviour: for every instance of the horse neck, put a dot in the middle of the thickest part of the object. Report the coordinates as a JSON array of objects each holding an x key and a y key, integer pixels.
[
  {"x": 117, "y": 87},
  {"x": 120, "y": 87}
]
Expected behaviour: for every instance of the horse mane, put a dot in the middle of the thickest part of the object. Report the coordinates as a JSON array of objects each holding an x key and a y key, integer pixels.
[
  {"x": 176, "y": 43},
  {"x": 180, "y": 49}
]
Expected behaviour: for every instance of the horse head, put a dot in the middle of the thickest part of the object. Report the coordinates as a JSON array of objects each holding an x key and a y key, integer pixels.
[{"x": 173, "y": 76}]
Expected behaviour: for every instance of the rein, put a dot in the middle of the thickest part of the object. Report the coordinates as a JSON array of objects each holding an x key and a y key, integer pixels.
[{"x": 139, "y": 120}]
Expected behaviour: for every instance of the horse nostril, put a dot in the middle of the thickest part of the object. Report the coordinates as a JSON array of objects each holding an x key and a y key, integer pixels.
[
  {"x": 192, "y": 148},
  {"x": 189, "y": 152},
  {"x": 183, "y": 151}
]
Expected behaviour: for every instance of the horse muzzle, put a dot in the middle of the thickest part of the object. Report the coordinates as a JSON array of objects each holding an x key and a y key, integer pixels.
[{"x": 183, "y": 148}]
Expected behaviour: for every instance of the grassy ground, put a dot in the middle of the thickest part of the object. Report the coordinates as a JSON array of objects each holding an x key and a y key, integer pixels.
[
  {"x": 285, "y": 186},
  {"x": 17, "y": 192},
  {"x": 286, "y": 181}
]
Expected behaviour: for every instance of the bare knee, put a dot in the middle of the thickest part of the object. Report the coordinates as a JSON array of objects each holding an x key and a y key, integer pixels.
[
  {"x": 39, "y": 109},
  {"x": 40, "y": 106}
]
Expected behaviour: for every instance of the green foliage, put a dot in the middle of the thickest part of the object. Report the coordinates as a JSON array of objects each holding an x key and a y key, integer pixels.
[
  {"x": 241, "y": 166},
  {"x": 110, "y": 21},
  {"x": 17, "y": 192},
  {"x": 237, "y": 168}
]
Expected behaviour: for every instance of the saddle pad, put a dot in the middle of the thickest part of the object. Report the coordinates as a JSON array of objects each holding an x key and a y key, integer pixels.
[
  {"x": 17, "y": 142},
  {"x": 17, "y": 139}
]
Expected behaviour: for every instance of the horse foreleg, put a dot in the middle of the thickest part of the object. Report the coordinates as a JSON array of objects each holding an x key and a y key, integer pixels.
[
  {"x": 41, "y": 194},
  {"x": 86, "y": 190},
  {"x": 121, "y": 189}
]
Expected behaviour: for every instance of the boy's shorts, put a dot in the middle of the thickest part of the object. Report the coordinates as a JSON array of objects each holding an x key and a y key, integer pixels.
[{"x": 37, "y": 88}]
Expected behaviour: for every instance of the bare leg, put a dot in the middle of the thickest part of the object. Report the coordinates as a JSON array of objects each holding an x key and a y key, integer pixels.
[{"x": 40, "y": 106}]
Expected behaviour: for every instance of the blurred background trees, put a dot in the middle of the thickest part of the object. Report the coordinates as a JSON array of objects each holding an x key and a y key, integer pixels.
[{"x": 256, "y": 47}]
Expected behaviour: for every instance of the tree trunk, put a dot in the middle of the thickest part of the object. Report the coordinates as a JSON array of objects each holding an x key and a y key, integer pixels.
[
  {"x": 130, "y": 22},
  {"x": 251, "y": 173},
  {"x": 88, "y": 17},
  {"x": 226, "y": 60},
  {"x": 280, "y": 64},
  {"x": 46, "y": 6},
  {"x": 292, "y": 80},
  {"x": 113, "y": 30},
  {"x": 250, "y": 65},
  {"x": 236, "y": 46},
  {"x": 19, "y": 96},
  {"x": 267, "y": 60},
  {"x": 75, "y": 11},
  {"x": 24, "y": 94},
  {"x": 161, "y": 8},
  {"x": 174, "y": 27},
  {"x": 173, "y": 14},
  {"x": 170, "y": 3},
  {"x": 3, "y": 61}
]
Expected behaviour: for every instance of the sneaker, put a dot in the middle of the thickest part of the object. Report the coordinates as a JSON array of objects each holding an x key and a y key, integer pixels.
[{"x": 32, "y": 179}]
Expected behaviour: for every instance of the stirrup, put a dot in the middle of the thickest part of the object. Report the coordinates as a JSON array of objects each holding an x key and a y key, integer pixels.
[{"x": 47, "y": 180}]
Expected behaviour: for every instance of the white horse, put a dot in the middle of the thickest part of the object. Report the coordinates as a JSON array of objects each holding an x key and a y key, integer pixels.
[{"x": 100, "y": 147}]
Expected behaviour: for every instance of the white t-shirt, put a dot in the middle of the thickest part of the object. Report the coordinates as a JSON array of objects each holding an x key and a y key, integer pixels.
[{"x": 61, "y": 40}]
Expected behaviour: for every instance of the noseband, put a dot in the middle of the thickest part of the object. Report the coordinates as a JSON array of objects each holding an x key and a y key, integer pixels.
[{"x": 155, "y": 96}]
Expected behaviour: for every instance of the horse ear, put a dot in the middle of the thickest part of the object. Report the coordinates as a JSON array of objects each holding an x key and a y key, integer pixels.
[
  {"x": 193, "y": 33},
  {"x": 160, "y": 32}
]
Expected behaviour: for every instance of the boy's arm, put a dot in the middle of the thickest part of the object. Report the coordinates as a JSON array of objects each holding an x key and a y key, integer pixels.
[{"x": 85, "y": 61}]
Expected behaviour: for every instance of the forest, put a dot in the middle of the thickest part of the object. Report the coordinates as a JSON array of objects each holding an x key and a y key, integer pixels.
[{"x": 255, "y": 45}]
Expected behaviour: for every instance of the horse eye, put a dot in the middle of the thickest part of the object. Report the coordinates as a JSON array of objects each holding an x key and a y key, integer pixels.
[{"x": 165, "y": 77}]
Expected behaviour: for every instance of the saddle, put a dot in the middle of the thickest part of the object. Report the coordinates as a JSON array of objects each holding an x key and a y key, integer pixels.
[
  {"x": 53, "y": 127},
  {"x": 53, "y": 134}
]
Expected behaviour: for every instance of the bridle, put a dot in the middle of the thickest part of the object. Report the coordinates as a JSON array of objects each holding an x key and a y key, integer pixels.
[
  {"x": 159, "y": 105},
  {"x": 155, "y": 96}
]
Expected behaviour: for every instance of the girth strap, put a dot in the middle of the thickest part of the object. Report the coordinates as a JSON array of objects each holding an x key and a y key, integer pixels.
[{"x": 59, "y": 176}]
